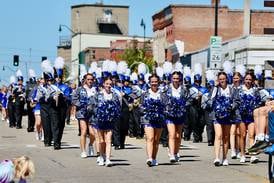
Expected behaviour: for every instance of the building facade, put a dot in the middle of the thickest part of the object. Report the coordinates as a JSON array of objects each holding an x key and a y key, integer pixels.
[{"x": 194, "y": 24}]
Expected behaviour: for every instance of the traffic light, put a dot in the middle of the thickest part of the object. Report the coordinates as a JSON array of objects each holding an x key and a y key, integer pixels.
[
  {"x": 16, "y": 60},
  {"x": 44, "y": 58}
]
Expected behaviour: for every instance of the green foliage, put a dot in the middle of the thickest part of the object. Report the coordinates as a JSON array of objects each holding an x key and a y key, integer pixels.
[{"x": 135, "y": 56}]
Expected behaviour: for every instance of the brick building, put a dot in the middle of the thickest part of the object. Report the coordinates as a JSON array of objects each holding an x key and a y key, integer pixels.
[{"x": 194, "y": 24}]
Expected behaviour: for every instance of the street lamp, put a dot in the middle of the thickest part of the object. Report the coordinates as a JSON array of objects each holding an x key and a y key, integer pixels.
[
  {"x": 144, "y": 26},
  {"x": 60, "y": 28},
  {"x": 4, "y": 68}
]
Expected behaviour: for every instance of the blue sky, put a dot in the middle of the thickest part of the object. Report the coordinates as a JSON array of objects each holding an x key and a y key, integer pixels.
[{"x": 33, "y": 25}]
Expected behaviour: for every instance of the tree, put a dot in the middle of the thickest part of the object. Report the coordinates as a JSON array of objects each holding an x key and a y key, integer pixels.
[{"x": 134, "y": 56}]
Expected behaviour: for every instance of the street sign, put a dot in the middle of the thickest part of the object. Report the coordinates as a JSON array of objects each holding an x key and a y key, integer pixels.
[{"x": 215, "y": 49}]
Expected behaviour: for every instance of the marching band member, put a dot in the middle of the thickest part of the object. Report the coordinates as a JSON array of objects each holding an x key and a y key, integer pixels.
[
  {"x": 11, "y": 101},
  {"x": 105, "y": 108},
  {"x": 29, "y": 89},
  {"x": 81, "y": 99},
  {"x": 48, "y": 97},
  {"x": 153, "y": 111},
  {"x": 223, "y": 102},
  {"x": 19, "y": 97}
]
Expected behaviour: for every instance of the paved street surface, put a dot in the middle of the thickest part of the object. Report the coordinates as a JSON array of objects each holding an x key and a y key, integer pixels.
[{"x": 129, "y": 165}]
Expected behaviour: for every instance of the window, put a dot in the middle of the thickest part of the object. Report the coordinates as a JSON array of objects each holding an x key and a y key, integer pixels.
[{"x": 268, "y": 30}]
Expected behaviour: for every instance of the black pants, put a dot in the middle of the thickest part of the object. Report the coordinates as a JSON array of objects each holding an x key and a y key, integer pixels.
[
  {"x": 135, "y": 123},
  {"x": 198, "y": 123},
  {"x": 51, "y": 123},
  {"x": 164, "y": 137},
  {"x": 31, "y": 118},
  {"x": 63, "y": 116},
  {"x": 11, "y": 114},
  {"x": 19, "y": 110},
  {"x": 209, "y": 128},
  {"x": 187, "y": 125}
]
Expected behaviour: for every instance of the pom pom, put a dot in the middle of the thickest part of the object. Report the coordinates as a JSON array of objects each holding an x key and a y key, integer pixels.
[
  {"x": 241, "y": 69},
  {"x": 98, "y": 72},
  {"x": 227, "y": 66},
  {"x": 167, "y": 67},
  {"x": 83, "y": 71},
  {"x": 142, "y": 69},
  {"x": 19, "y": 73},
  {"x": 59, "y": 63},
  {"x": 112, "y": 66},
  {"x": 160, "y": 72},
  {"x": 32, "y": 73},
  {"x": 105, "y": 66},
  {"x": 134, "y": 76}
]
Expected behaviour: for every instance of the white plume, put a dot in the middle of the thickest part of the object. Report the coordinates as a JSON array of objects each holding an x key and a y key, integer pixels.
[
  {"x": 167, "y": 67},
  {"x": 83, "y": 71},
  {"x": 19, "y": 73},
  {"x": 134, "y": 76},
  {"x": 258, "y": 70},
  {"x": 227, "y": 66},
  {"x": 122, "y": 67},
  {"x": 142, "y": 69},
  {"x": 187, "y": 71},
  {"x": 241, "y": 69},
  {"x": 128, "y": 72},
  {"x": 46, "y": 67},
  {"x": 198, "y": 69},
  {"x": 72, "y": 76},
  {"x": 178, "y": 67},
  {"x": 210, "y": 76},
  {"x": 32, "y": 73},
  {"x": 268, "y": 74},
  {"x": 105, "y": 66},
  {"x": 12, "y": 79},
  {"x": 59, "y": 63},
  {"x": 112, "y": 66},
  {"x": 160, "y": 72},
  {"x": 98, "y": 72},
  {"x": 93, "y": 67},
  {"x": 147, "y": 75}
]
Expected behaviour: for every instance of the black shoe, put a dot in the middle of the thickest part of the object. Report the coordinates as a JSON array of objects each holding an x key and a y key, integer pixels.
[
  {"x": 210, "y": 143},
  {"x": 139, "y": 137},
  {"x": 259, "y": 145},
  {"x": 116, "y": 147},
  {"x": 30, "y": 130},
  {"x": 47, "y": 144},
  {"x": 196, "y": 141},
  {"x": 186, "y": 138},
  {"x": 122, "y": 147},
  {"x": 165, "y": 145},
  {"x": 131, "y": 135},
  {"x": 11, "y": 126},
  {"x": 19, "y": 127},
  {"x": 57, "y": 147}
]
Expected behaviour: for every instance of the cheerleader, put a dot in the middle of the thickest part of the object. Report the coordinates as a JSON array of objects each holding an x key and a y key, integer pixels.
[
  {"x": 105, "y": 107},
  {"x": 224, "y": 100},
  {"x": 36, "y": 109},
  {"x": 177, "y": 99},
  {"x": 249, "y": 100},
  {"x": 80, "y": 99},
  {"x": 4, "y": 103},
  {"x": 153, "y": 110}
]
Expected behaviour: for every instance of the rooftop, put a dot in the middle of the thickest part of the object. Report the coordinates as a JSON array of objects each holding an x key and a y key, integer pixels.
[{"x": 99, "y": 5}]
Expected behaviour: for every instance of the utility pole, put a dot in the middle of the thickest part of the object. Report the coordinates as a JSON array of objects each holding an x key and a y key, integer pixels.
[{"x": 216, "y": 17}]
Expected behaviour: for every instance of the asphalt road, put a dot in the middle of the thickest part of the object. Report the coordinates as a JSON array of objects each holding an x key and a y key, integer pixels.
[{"x": 65, "y": 165}]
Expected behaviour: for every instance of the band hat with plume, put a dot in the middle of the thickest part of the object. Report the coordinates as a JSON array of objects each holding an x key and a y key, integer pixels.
[
  {"x": 127, "y": 74},
  {"x": 268, "y": 74},
  {"x": 198, "y": 72},
  {"x": 160, "y": 72},
  {"x": 19, "y": 75},
  {"x": 187, "y": 74},
  {"x": 83, "y": 71},
  {"x": 258, "y": 71},
  {"x": 227, "y": 66},
  {"x": 142, "y": 70},
  {"x": 93, "y": 68},
  {"x": 241, "y": 69},
  {"x": 210, "y": 76},
  {"x": 113, "y": 68},
  {"x": 12, "y": 79},
  {"x": 32, "y": 75},
  {"x": 99, "y": 75},
  {"x": 122, "y": 69},
  {"x": 105, "y": 68},
  {"x": 178, "y": 67},
  {"x": 167, "y": 67},
  {"x": 134, "y": 78},
  {"x": 47, "y": 69},
  {"x": 59, "y": 66},
  {"x": 146, "y": 77}
]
